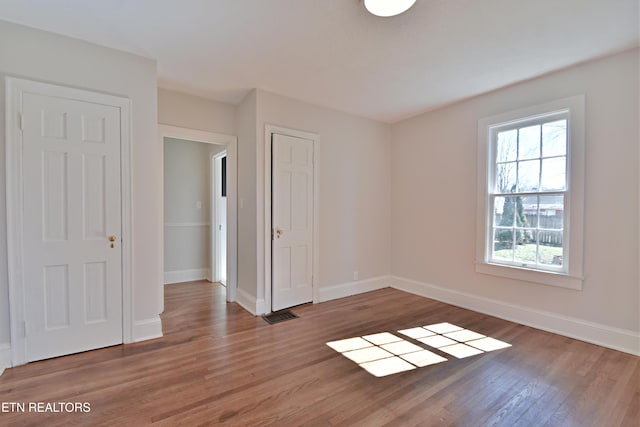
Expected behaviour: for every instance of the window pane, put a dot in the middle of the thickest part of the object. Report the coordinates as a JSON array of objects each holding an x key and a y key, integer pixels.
[
  {"x": 554, "y": 175},
  {"x": 507, "y": 145},
  {"x": 498, "y": 209},
  {"x": 528, "y": 175},
  {"x": 506, "y": 177},
  {"x": 503, "y": 244},
  {"x": 529, "y": 143},
  {"x": 550, "y": 249},
  {"x": 505, "y": 211},
  {"x": 554, "y": 138},
  {"x": 530, "y": 209},
  {"x": 552, "y": 212},
  {"x": 526, "y": 248}
]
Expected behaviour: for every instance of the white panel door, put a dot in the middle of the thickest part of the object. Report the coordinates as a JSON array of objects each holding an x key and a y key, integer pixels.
[
  {"x": 71, "y": 211},
  {"x": 292, "y": 219}
]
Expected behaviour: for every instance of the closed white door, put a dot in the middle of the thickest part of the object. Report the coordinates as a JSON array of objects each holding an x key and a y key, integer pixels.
[
  {"x": 71, "y": 226},
  {"x": 292, "y": 221}
]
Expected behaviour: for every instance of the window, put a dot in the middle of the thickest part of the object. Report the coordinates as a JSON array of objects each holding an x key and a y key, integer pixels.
[{"x": 530, "y": 193}]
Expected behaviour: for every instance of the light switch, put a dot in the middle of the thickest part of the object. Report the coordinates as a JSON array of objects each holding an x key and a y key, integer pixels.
[{"x": 198, "y": 204}]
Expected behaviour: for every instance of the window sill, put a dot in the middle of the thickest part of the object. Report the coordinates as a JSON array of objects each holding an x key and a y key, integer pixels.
[{"x": 548, "y": 278}]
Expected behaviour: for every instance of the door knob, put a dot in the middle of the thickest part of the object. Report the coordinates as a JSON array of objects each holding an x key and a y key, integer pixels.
[
  {"x": 112, "y": 239},
  {"x": 279, "y": 233}
]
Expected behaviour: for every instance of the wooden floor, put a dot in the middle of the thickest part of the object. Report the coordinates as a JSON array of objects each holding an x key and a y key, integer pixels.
[{"x": 219, "y": 365}]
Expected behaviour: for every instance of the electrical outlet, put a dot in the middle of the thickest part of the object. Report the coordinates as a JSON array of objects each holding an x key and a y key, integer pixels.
[
  {"x": 198, "y": 204},
  {"x": 356, "y": 275}
]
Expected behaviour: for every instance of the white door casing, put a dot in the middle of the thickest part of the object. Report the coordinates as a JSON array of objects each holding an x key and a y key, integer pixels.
[
  {"x": 66, "y": 256},
  {"x": 292, "y": 221}
]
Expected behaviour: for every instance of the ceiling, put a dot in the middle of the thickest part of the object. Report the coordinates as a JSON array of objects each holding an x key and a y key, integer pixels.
[{"x": 333, "y": 53}]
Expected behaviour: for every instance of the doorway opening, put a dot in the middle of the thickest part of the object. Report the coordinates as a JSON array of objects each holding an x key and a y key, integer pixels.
[
  {"x": 199, "y": 221},
  {"x": 191, "y": 211}
]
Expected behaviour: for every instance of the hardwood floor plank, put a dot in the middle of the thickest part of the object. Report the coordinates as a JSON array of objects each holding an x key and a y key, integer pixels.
[{"x": 218, "y": 365}]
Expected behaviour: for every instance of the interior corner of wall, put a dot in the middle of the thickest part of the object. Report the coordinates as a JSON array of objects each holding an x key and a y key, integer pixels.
[{"x": 5, "y": 356}]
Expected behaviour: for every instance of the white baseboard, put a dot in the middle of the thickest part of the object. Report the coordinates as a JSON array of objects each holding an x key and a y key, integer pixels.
[
  {"x": 257, "y": 306},
  {"x": 327, "y": 293},
  {"x": 249, "y": 302},
  {"x": 5, "y": 356},
  {"x": 147, "y": 329},
  {"x": 180, "y": 276},
  {"x": 260, "y": 308},
  {"x": 618, "y": 339}
]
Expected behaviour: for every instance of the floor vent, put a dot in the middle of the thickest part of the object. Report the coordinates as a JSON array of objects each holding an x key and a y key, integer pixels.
[{"x": 279, "y": 316}]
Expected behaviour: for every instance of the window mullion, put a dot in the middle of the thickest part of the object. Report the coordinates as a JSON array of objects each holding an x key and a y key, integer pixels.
[{"x": 538, "y": 230}]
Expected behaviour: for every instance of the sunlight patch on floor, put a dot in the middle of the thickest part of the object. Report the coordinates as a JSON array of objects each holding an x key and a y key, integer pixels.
[
  {"x": 368, "y": 354},
  {"x": 416, "y": 333},
  {"x": 384, "y": 367},
  {"x": 383, "y": 338},
  {"x": 461, "y": 350},
  {"x": 385, "y": 353},
  {"x": 437, "y": 341}
]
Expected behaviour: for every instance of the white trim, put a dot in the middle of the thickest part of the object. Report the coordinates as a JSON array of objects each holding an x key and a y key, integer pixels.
[
  {"x": 327, "y": 293},
  {"x": 268, "y": 131},
  {"x": 5, "y": 357},
  {"x": 216, "y": 259},
  {"x": 574, "y": 210},
  {"x": 250, "y": 303},
  {"x": 147, "y": 329},
  {"x": 187, "y": 224},
  {"x": 231, "y": 142},
  {"x": 126, "y": 177},
  {"x": 618, "y": 339},
  {"x": 549, "y": 278},
  {"x": 14, "y": 90},
  {"x": 180, "y": 276}
]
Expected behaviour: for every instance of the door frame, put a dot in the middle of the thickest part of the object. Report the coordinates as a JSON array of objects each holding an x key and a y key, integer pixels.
[
  {"x": 15, "y": 88},
  {"x": 268, "y": 226},
  {"x": 231, "y": 143},
  {"x": 215, "y": 235}
]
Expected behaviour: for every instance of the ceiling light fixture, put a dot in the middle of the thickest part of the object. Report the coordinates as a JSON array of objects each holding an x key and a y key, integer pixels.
[{"x": 387, "y": 8}]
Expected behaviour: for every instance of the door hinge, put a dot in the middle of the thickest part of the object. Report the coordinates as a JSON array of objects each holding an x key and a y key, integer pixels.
[
  {"x": 24, "y": 329},
  {"x": 20, "y": 121}
]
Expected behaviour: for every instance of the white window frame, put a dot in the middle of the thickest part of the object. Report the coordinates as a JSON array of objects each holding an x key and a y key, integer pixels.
[{"x": 571, "y": 274}]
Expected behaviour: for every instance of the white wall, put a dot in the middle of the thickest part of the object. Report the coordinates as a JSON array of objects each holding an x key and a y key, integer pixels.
[
  {"x": 192, "y": 112},
  {"x": 355, "y": 191},
  {"x": 247, "y": 261},
  {"x": 187, "y": 227},
  {"x": 38, "y": 55},
  {"x": 434, "y": 196}
]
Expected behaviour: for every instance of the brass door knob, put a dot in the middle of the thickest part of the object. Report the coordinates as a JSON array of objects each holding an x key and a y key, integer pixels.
[
  {"x": 279, "y": 233},
  {"x": 112, "y": 238}
]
